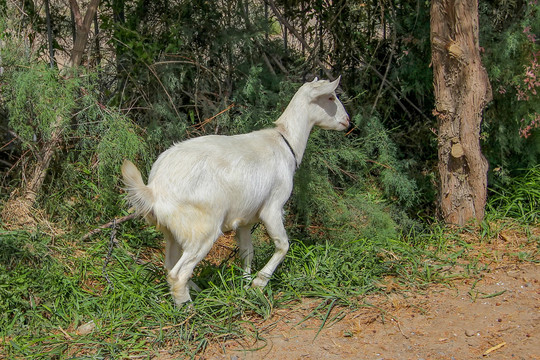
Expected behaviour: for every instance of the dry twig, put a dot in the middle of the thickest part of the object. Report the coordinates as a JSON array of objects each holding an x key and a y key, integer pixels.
[
  {"x": 108, "y": 225},
  {"x": 496, "y": 347}
]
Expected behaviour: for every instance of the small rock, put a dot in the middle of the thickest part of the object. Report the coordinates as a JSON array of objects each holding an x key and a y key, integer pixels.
[
  {"x": 470, "y": 333},
  {"x": 87, "y": 328}
]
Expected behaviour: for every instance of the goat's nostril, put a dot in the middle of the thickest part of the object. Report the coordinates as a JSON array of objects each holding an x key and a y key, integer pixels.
[{"x": 345, "y": 123}]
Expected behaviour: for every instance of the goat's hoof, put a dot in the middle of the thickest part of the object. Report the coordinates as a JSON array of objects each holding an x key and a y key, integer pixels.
[
  {"x": 181, "y": 295},
  {"x": 183, "y": 304},
  {"x": 187, "y": 306},
  {"x": 259, "y": 282},
  {"x": 247, "y": 280},
  {"x": 181, "y": 301}
]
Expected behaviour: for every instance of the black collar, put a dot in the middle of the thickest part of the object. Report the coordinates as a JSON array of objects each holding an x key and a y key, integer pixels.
[{"x": 290, "y": 148}]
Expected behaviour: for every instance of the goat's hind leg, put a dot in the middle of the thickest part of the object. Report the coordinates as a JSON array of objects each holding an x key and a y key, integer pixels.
[
  {"x": 173, "y": 250},
  {"x": 180, "y": 274},
  {"x": 245, "y": 247},
  {"x": 173, "y": 253}
]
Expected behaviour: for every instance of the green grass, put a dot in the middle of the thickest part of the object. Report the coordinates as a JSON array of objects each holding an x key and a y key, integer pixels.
[
  {"x": 49, "y": 286},
  {"x": 519, "y": 198}
]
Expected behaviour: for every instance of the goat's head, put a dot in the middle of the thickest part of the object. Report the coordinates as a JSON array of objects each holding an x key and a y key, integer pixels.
[{"x": 326, "y": 111}]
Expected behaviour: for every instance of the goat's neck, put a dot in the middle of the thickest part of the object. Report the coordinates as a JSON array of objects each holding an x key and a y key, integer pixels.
[{"x": 295, "y": 125}]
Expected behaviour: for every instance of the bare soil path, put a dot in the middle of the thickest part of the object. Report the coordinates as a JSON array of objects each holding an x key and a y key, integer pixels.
[{"x": 495, "y": 315}]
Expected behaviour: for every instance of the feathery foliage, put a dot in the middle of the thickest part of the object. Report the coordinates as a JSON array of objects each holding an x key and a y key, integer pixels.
[
  {"x": 512, "y": 122},
  {"x": 96, "y": 138}
]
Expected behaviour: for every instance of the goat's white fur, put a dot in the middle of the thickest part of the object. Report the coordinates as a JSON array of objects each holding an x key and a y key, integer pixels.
[{"x": 202, "y": 187}]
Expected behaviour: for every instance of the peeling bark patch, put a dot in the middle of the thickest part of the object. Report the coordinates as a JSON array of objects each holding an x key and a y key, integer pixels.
[{"x": 457, "y": 151}]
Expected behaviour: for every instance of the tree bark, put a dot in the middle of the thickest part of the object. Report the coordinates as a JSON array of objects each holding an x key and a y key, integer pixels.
[
  {"x": 462, "y": 90},
  {"x": 82, "y": 26},
  {"x": 50, "y": 37}
]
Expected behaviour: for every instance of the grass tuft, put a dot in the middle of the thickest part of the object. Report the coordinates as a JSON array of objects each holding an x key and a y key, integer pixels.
[{"x": 518, "y": 199}]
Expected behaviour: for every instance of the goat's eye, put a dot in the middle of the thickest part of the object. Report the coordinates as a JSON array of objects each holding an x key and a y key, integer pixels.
[{"x": 332, "y": 98}]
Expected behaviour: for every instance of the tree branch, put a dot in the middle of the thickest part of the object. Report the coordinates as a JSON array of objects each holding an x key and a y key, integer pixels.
[
  {"x": 293, "y": 31},
  {"x": 76, "y": 12},
  {"x": 108, "y": 225},
  {"x": 83, "y": 28}
]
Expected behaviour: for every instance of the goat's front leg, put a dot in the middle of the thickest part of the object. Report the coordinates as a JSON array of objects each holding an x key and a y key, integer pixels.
[
  {"x": 274, "y": 226},
  {"x": 245, "y": 246}
]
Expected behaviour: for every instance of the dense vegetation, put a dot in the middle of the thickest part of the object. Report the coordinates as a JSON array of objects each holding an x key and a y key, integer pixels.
[
  {"x": 154, "y": 73},
  {"x": 160, "y": 73}
]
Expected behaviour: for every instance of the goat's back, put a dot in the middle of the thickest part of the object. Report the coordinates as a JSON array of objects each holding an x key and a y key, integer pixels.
[{"x": 231, "y": 177}]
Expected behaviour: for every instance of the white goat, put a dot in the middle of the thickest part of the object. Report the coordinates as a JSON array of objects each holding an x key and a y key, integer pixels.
[{"x": 202, "y": 187}]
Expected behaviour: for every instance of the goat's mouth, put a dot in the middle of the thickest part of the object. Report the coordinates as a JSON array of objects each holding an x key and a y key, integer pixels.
[{"x": 345, "y": 124}]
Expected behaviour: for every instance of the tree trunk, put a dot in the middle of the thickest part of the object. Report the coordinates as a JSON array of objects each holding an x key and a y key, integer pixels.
[
  {"x": 462, "y": 90},
  {"x": 96, "y": 35},
  {"x": 50, "y": 36},
  {"x": 283, "y": 21},
  {"x": 82, "y": 26},
  {"x": 18, "y": 209}
]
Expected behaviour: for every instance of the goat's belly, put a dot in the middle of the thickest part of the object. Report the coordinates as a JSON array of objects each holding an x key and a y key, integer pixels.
[{"x": 235, "y": 223}]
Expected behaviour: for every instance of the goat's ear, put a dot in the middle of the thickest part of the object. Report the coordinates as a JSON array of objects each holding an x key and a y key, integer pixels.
[
  {"x": 316, "y": 79},
  {"x": 324, "y": 89},
  {"x": 335, "y": 83}
]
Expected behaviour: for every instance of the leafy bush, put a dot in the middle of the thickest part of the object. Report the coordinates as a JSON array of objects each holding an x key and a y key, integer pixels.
[
  {"x": 351, "y": 187},
  {"x": 95, "y": 138}
]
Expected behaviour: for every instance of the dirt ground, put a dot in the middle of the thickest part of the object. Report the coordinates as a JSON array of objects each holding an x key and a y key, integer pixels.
[{"x": 494, "y": 315}]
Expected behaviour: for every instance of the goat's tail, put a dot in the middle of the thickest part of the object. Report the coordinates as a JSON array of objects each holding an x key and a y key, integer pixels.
[{"x": 139, "y": 195}]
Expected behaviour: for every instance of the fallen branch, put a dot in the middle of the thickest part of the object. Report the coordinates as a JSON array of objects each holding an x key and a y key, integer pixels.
[
  {"x": 108, "y": 225},
  {"x": 496, "y": 347},
  {"x": 381, "y": 164}
]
